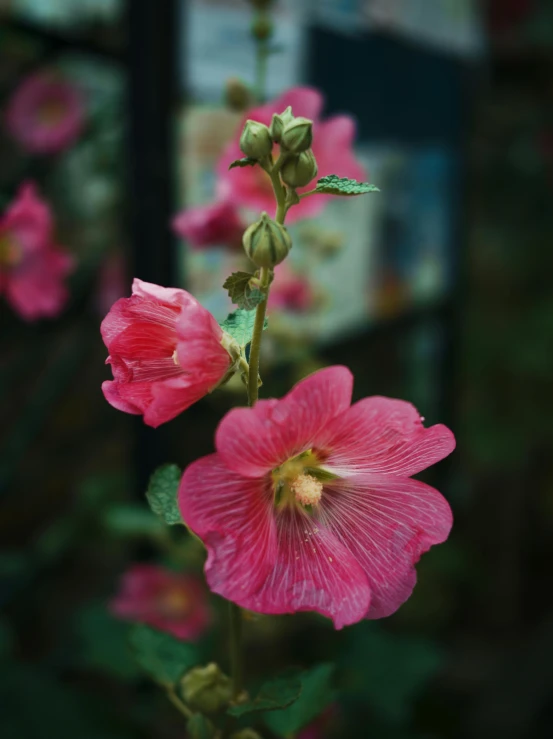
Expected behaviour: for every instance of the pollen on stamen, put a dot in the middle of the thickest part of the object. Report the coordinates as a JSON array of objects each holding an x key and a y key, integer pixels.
[
  {"x": 175, "y": 358},
  {"x": 307, "y": 489}
]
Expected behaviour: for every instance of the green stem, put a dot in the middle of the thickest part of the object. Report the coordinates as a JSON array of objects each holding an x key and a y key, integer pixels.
[
  {"x": 261, "y": 56},
  {"x": 255, "y": 346},
  {"x": 176, "y": 701},
  {"x": 235, "y": 618},
  {"x": 309, "y": 192},
  {"x": 235, "y": 613}
]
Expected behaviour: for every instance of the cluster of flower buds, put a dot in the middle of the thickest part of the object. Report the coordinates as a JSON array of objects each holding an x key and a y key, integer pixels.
[{"x": 294, "y": 135}]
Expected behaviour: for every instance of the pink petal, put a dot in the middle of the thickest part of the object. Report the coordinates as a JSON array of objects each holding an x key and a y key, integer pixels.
[
  {"x": 305, "y": 101},
  {"x": 384, "y": 435},
  {"x": 111, "y": 394},
  {"x": 126, "y": 311},
  {"x": 386, "y": 523},
  {"x": 234, "y": 518},
  {"x": 253, "y": 441},
  {"x": 199, "y": 348},
  {"x": 170, "y": 398},
  {"x": 36, "y": 288},
  {"x": 313, "y": 572},
  {"x": 164, "y": 295}
]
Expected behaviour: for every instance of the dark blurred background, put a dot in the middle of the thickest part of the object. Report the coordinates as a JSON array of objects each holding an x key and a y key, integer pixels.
[{"x": 454, "y": 104}]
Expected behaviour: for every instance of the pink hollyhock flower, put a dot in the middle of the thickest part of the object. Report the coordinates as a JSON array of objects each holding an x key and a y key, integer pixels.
[
  {"x": 163, "y": 599},
  {"x": 216, "y": 224},
  {"x": 250, "y": 187},
  {"x": 45, "y": 114},
  {"x": 308, "y": 503},
  {"x": 32, "y": 267},
  {"x": 166, "y": 352},
  {"x": 290, "y": 292}
]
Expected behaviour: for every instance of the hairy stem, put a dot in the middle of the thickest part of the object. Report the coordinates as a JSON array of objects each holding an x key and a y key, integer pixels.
[
  {"x": 235, "y": 613},
  {"x": 255, "y": 347}
]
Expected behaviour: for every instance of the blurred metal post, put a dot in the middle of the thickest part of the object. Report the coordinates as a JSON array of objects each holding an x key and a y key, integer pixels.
[{"x": 152, "y": 86}]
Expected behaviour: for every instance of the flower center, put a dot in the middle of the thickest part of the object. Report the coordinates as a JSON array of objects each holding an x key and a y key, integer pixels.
[
  {"x": 174, "y": 603},
  {"x": 307, "y": 489},
  {"x": 51, "y": 112},
  {"x": 299, "y": 481},
  {"x": 10, "y": 251}
]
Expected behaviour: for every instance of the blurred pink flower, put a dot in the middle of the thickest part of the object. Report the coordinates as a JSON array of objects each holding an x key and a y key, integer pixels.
[
  {"x": 163, "y": 599},
  {"x": 308, "y": 503},
  {"x": 250, "y": 187},
  {"x": 32, "y": 266},
  {"x": 216, "y": 224},
  {"x": 290, "y": 291},
  {"x": 166, "y": 352},
  {"x": 45, "y": 114}
]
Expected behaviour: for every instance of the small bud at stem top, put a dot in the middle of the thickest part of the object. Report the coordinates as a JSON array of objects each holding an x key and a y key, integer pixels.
[
  {"x": 255, "y": 140},
  {"x": 298, "y": 135},
  {"x": 298, "y": 170},
  {"x": 267, "y": 242}
]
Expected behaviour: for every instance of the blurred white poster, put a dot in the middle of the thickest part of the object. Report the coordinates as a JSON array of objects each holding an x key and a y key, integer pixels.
[{"x": 218, "y": 44}]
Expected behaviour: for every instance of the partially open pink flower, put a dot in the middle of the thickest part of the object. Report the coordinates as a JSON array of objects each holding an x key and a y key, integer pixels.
[
  {"x": 32, "y": 266},
  {"x": 45, "y": 114},
  {"x": 290, "y": 291},
  {"x": 166, "y": 352},
  {"x": 163, "y": 599},
  {"x": 216, "y": 224},
  {"x": 250, "y": 187},
  {"x": 308, "y": 503}
]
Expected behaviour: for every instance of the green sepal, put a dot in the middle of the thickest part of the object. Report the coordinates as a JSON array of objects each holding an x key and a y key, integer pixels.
[
  {"x": 316, "y": 695},
  {"x": 239, "y": 324},
  {"x": 244, "y": 162},
  {"x": 162, "y": 656},
  {"x": 273, "y": 695},
  {"x": 334, "y": 185},
  {"x": 162, "y": 493},
  {"x": 199, "y": 727},
  {"x": 241, "y": 292}
]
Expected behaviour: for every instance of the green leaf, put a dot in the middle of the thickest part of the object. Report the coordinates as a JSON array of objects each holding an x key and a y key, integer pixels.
[
  {"x": 334, "y": 185},
  {"x": 127, "y": 519},
  {"x": 239, "y": 325},
  {"x": 199, "y": 727},
  {"x": 162, "y": 493},
  {"x": 316, "y": 695},
  {"x": 244, "y": 162},
  {"x": 240, "y": 291},
  {"x": 388, "y": 671},
  {"x": 103, "y": 643},
  {"x": 273, "y": 695},
  {"x": 163, "y": 657}
]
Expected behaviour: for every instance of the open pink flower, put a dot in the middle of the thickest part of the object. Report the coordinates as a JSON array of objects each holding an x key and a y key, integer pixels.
[
  {"x": 216, "y": 224},
  {"x": 250, "y": 187},
  {"x": 32, "y": 266},
  {"x": 308, "y": 503},
  {"x": 45, "y": 114},
  {"x": 290, "y": 291},
  {"x": 166, "y": 352},
  {"x": 163, "y": 599}
]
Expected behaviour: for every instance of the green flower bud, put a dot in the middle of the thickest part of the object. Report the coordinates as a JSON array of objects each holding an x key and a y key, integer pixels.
[
  {"x": 262, "y": 28},
  {"x": 237, "y": 94},
  {"x": 255, "y": 140},
  {"x": 298, "y": 135},
  {"x": 206, "y": 689},
  {"x": 279, "y": 123},
  {"x": 245, "y": 734},
  {"x": 266, "y": 242},
  {"x": 300, "y": 169}
]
